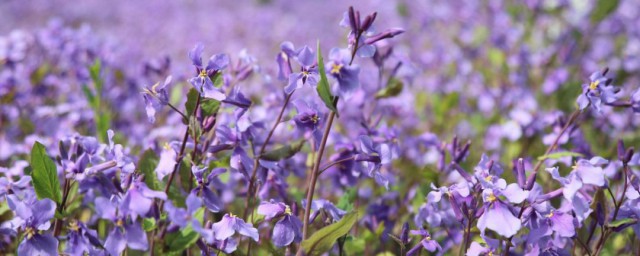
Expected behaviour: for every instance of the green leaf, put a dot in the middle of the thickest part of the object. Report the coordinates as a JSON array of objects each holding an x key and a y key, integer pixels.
[
  {"x": 185, "y": 175},
  {"x": 496, "y": 56},
  {"x": 558, "y": 155},
  {"x": 283, "y": 152},
  {"x": 94, "y": 72},
  {"x": 603, "y": 8},
  {"x": 147, "y": 165},
  {"x": 45, "y": 174},
  {"x": 323, "y": 85},
  {"x": 91, "y": 98},
  {"x": 394, "y": 87},
  {"x": 182, "y": 240},
  {"x": 345, "y": 202},
  {"x": 192, "y": 98},
  {"x": 149, "y": 224},
  {"x": 209, "y": 107},
  {"x": 618, "y": 223},
  {"x": 322, "y": 240}
]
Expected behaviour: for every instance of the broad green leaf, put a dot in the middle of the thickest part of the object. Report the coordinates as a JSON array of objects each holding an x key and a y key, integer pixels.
[
  {"x": 147, "y": 165},
  {"x": 184, "y": 239},
  {"x": 558, "y": 155},
  {"x": 603, "y": 8},
  {"x": 209, "y": 107},
  {"x": 394, "y": 87},
  {"x": 283, "y": 152},
  {"x": 322, "y": 240},
  {"x": 192, "y": 98},
  {"x": 323, "y": 85},
  {"x": 45, "y": 174},
  {"x": 149, "y": 224},
  {"x": 346, "y": 201}
]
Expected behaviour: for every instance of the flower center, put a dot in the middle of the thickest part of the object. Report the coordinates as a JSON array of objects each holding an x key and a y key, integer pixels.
[
  {"x": 491, "y": 198},
  {"x": 305, "y": 73},
  {"x": 287, "y": 210},
  {"x": 203, "y": 73},
  {"x": 119, "y": 223},
  {"x": 488, "y": 178},
  {"x": 428, "y": 238},
  {"x": 314, "y": 119},
  {"x": 550, "y": 214},
  {"x": 232, "y": 215},
  {"x": 335, "y": 68},
  {"x": 73, "y": 225},
  {"x": 30, "y": 232},
  {"x": 594, "y": 85}
]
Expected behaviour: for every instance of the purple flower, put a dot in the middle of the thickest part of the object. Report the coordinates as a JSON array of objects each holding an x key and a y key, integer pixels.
[
  {"x": 326, "y": 206},
  {"x": 126, "y": 232},
  {"x": 287, "y": 51},
  {"x": 230, "y": 224},
  {"x": 346, "y": 74},
  {"x": 139, "y": 199},
  {"x": 33, "y": 217},
  {"x": 209, "y": 198},
  {"x": 598, "y": 90},
  {"x": 287, "y": 229},
  {"x": 635, "y": 101},
  {"x": 80, "y": 239},
  {"x": 181, "y": 217},
  {"x": 497, "y": 216},
  {"x": 373, "y": 157},
  {"x": 203, "y": 82},
  {"x": 308, "y": 72},
  {"x": 427, "y": 242},
  {"x": 308, "y": 119},
  {"x": 155, "y": 97}
]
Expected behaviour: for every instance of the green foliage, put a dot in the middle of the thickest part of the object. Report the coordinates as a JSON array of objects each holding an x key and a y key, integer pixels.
[
  {"x": 322, "y": 240},
  {"x": 393, "y": 88},
  {"x": 283, "y": 152},
  {"x": 603, "y": 8},
  {"x": 102, "y": 115},
  {"x": 147, "y": 165},
  {"x": 558, "y": 155},
  {"x": 323, "y": 85},
  {"x": 45, "y": 174}
]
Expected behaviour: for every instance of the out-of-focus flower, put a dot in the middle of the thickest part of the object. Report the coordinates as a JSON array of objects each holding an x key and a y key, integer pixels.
[
  {"x": 230, "y": 224},
  {"x": 598, "y": 91},
  {"x": 156, "y": 97},
  {"x": 427, "y": 242}
]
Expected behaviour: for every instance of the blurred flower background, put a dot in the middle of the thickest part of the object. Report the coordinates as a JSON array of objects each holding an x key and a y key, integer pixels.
[{"x": 455, "y": 89}]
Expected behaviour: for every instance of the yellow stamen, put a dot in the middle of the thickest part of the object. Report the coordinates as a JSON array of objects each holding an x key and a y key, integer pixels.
[
  {"x": 232, "y": 215},
  {"x": 314, "y": 118},
  {"x": 287, "y": 210},
  {"x": 305, "y": 73},
  {"x": 550, "y": 214},
  {"x": 119, "y": 223},
  {"x": 428, "y": 238},
  {"x": 203, "y": 73},
  {"x": 335, "y": 69},
  {"x": 166, "y": 146},
  {"x": 594, "y": 85},
  {"x": 30, "y": 232},
  {"x": 73, "y": 225},
  {"x": 491, "y": 198},
  {"x": 488, "y": 178}
]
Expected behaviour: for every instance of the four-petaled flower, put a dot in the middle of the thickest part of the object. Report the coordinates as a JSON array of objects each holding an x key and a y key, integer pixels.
[
  {"x": 202, "y": 82},
  {"x": 288, "y": 228}
]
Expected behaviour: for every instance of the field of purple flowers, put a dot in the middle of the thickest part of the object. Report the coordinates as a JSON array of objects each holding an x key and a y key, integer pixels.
[{"x": 282, "y": 127}]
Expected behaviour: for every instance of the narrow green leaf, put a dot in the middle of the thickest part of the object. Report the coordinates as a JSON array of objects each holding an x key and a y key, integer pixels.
[
  {"x": 185, "y": 175},
  {"x": 558, "y": 155},
  {"x": 322, "y": 240},
  {"x": 394, "y": 87},
  {"x": 94, "y": 72},
  {"x": 346, "y": 201},
  {"x": 323, "y": 85},
  {"x": 621, "y": 222},
  {"x": 44, "y": 175},
  {"x": 283, "y": 152},
  {"x": 90, "y": 97},
  {"x": 603, "y": 8},
  {"x": 147, "y": 165}
]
